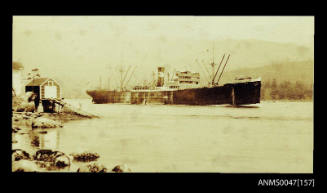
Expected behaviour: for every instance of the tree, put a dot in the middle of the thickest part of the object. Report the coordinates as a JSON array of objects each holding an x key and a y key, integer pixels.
[
  {"x": 284, "y": 89},
  {"x": 308, "y": 92},
  {"x": 299, "y": 90},
  {"x": 267, "y": 84},
  {"x": 274, "y": 91}
]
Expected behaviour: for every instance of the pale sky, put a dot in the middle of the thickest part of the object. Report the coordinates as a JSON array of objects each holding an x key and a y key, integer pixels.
[
  {"x": 86, "y": 45},
  {"x": 295, "y": 29}
]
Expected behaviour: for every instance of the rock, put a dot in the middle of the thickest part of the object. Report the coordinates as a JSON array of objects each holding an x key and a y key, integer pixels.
[
  {"x": 86, "y": 157},
  {"x": 69, "y": 109},
  {"x": 35, "y": 141},
  {"x": 43, "y": 164},
  {"x": 121, "y": 169},
  {"x": 51, "y": 160},
  {"x": 28, "y": 114},
  {"x": 62, "y": 161},
  {"x": 47, "y": 155},
  {"x": 42, "y": 122},
  {"x": 25, "y": 166},
  {"x": 15, "y": 129},
  {"x": 18, "y": 154},
  {"x": 16, "y": 117},
  {"x": 38, "y": 115},
  {"x": 26, "y": 107},
  {"x": 93, "y": 168},
  {"x": 26, "y": 117},
  {"x": 20, "y": 109},
  {"x": 117, "y": 169},
  {"x": 16, "y": 101}
]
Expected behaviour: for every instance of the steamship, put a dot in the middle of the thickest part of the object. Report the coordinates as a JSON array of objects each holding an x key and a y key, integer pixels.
[{"x": 183, "y": 88}]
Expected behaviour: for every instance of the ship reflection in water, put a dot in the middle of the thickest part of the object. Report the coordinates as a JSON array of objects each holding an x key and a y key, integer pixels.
[{"x": 277, "y": 137}]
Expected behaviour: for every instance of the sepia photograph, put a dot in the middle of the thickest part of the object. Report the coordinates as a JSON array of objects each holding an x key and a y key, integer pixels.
[{"x": 162, "y": 94}]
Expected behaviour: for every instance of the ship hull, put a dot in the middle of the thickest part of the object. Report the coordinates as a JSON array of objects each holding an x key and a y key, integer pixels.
[
  {"x": 233, "y": 93},
  {"x": 108, "y": 96}
]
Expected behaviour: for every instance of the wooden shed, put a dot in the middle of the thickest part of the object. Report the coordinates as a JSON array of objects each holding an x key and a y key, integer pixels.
[{"x": 44, "y": 88}]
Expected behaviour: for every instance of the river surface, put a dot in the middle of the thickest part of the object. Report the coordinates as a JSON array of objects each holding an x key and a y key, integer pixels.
[{"x": 274, "y": 137}]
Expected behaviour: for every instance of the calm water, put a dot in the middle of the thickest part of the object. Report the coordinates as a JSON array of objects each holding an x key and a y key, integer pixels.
[{"x": 269, "y": 137}]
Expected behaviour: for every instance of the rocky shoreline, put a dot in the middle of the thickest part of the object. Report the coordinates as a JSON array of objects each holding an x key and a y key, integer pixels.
[
  {"x": 24, "y": 119},
  {"x": 45, "y": 120},
  {"x": 47, "y": 160},
  {"x": 56, "y": 161}
]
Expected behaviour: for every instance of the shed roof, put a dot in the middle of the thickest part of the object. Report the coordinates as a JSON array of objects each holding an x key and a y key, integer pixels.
[{"x": 37, "y": 81}]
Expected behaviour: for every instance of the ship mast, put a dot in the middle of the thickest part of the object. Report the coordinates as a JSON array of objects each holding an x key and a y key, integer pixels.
[
  {"x": 212, "y": 76},
  {"x": 125, "y": 75},
  {"x": 218, "y": 69},
  {"x": 130, "y": 76},
  {"x": 204, "y": 69},
  {"x": 213, "y": 64},
  {"x": 121, "y": 70},
  {"x": 223, "y": 69}
]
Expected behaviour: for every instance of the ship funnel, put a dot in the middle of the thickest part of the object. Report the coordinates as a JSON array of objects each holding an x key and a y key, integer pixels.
[{"x": 161, "y": 71}]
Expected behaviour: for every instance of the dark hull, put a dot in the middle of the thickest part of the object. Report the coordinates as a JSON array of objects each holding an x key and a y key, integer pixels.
[
  {"x": 107, "y": 96},
  {"x": 235, "y": 94}
]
